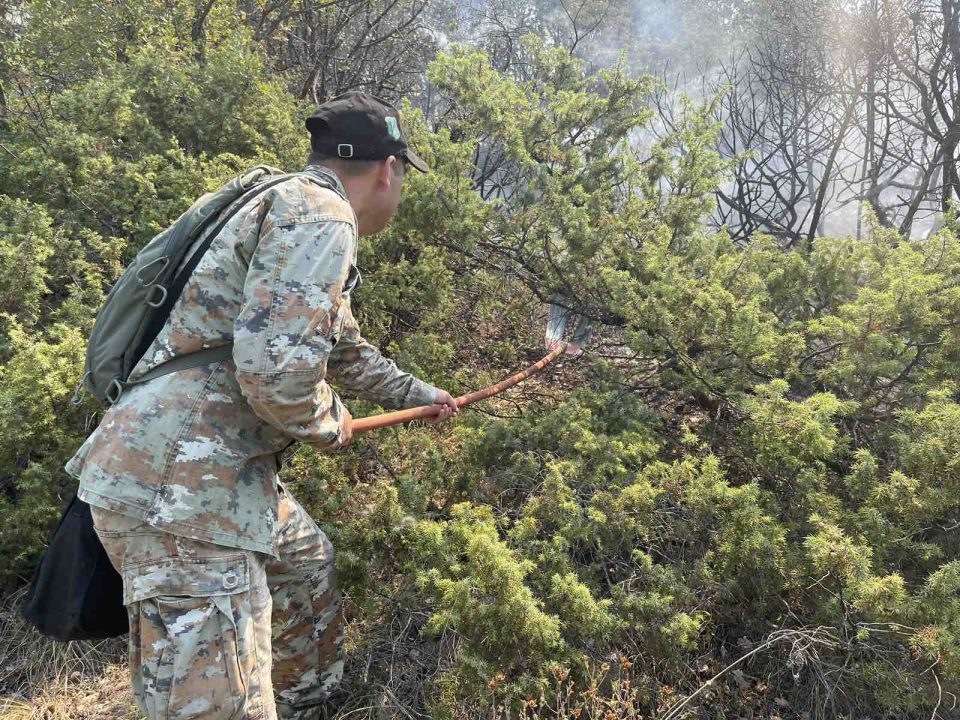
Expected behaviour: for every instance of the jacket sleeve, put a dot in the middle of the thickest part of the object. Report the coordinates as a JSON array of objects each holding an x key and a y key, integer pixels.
[
  {"x": 283, "y": 331},
  {"x": 359, "y": 368}
]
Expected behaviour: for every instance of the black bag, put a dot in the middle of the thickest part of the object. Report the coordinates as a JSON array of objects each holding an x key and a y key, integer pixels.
[{"x": 76, "y": 593}]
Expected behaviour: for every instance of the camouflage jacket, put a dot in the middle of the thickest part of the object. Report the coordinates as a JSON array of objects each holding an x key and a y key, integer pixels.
[{"x": 196, "y": 452}]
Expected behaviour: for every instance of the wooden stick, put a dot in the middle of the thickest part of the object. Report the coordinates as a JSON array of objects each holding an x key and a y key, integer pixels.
[{"x": 375, "y": 422}]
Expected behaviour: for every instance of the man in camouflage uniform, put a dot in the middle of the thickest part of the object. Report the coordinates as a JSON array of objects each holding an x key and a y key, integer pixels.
[{"x": 229, "y": 584}]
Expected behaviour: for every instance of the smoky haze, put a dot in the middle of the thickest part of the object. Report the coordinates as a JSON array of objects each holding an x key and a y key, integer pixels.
[
  {"x": 843, "y": 106},
  {"x": 830, "y": 109}
]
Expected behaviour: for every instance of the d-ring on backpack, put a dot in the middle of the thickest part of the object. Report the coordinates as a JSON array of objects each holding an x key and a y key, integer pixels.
[{"x": 76, "y": 594}]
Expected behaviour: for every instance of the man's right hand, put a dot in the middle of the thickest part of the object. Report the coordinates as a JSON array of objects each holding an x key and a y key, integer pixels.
[{"x": 447, "y": 407}]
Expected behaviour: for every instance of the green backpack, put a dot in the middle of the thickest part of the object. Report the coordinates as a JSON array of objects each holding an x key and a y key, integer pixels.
[{"x": 140, "y": 302}]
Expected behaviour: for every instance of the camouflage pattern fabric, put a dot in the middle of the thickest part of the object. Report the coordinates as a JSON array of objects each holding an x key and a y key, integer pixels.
[
  {"x": 220, "y": 633},
  {"x": 195, "y": 452}
]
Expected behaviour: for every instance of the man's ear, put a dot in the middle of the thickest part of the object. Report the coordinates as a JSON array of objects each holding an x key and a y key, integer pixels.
[{"x": 385, "y": 174}]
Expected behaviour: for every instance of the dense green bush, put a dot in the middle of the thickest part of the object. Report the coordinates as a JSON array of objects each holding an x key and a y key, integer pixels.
[{"x": 759, "y": 457}]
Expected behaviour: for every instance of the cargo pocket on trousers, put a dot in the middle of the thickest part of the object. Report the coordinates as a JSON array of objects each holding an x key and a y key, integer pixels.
[{"x": 189, "y": 653}]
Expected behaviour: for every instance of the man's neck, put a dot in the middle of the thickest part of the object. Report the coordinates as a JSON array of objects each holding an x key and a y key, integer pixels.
[
  {"x": 350, "y": 190},
  {"x": 318, "y": 168}
]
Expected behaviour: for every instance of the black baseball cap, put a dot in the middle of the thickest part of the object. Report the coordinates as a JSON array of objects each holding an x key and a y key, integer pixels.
[{"x": 360, "y": 126}]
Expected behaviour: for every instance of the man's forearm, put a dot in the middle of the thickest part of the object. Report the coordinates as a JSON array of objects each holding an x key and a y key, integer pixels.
[{"x": 360, "y": 369}]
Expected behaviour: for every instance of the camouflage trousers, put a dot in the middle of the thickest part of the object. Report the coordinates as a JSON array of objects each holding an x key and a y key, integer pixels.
[{"x": 219, "y": 632}]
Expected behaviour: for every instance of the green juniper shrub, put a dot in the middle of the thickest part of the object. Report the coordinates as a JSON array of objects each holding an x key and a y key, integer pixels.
[{"x": 757, "y": 458}]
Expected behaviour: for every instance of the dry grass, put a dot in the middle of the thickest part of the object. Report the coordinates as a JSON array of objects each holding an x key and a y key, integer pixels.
[
  {"x": 103, "y": 697},
  {"x": 42, "y": 679}
]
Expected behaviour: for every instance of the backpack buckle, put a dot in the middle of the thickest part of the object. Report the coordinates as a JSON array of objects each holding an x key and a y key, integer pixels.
[
  {"x": 143, "y": 283},
  {"x": 113, "y": 391},
  {"x": 153, "y": 291}
]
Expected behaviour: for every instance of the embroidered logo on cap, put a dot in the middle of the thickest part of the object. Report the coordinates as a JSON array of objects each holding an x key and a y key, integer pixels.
[{"x": 393, "y": 129}]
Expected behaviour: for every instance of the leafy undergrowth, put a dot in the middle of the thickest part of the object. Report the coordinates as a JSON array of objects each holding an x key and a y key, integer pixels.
[{"x": 41, "y": 679}]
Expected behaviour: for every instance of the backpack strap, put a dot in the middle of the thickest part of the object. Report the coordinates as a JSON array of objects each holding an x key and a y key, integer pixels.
[
  {"x": 185, "y": 362},
  {"x": 182, "y": 275},
  {"x": 221, "y": 352},
  {"x": 181, "y": 362}
]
